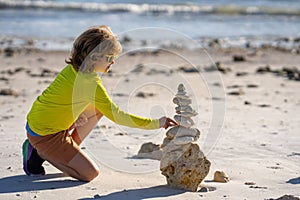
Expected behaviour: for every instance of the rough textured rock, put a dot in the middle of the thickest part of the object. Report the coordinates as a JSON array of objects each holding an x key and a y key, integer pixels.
[
  {"x": 185, "y": 170},
  {"x": 182, "y": 162},
  {"x": 220, "y": 176}
]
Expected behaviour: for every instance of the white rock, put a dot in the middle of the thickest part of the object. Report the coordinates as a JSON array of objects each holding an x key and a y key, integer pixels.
[
  {"x": 184, "y": 121},
  {"x": 179, "y": 131}
]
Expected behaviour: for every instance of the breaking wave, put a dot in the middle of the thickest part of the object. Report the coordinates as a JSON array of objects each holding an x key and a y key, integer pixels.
[{"x": 151, "y": 8}]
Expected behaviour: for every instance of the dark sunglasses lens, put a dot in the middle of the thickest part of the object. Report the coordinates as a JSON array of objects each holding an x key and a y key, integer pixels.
[{"x": 109, "y": 59}]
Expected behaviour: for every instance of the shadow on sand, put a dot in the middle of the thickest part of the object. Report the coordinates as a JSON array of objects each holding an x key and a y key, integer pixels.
[
  {"x": 22, "y": 183},
  {"x": 141, "y": 193},
  {"x": 294, "y": 180}
]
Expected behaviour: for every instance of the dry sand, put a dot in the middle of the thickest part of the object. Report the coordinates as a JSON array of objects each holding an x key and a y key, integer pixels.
[{"x": 249, "y": 124}]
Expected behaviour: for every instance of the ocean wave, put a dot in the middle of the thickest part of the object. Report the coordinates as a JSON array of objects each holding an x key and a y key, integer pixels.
[{"x": 152, "y": 8}]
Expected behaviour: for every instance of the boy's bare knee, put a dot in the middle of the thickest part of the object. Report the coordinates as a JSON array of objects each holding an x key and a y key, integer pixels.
[{"x": 90, "y": 176}]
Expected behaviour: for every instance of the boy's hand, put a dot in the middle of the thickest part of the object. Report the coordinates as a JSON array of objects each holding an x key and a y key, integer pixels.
[
  {"x": 166, "y": 122},
  {"x": 82, "y": 120}
]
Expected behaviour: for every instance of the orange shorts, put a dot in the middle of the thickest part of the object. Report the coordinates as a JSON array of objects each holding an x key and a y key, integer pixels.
[{"x": 59, "y": 147}]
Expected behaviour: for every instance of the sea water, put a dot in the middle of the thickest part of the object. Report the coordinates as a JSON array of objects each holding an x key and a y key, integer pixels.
[{"x": 63, "y": 20}]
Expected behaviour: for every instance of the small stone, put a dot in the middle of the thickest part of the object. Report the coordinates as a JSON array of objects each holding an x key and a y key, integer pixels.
[
  {"x": 144, "y": 95},
  {"x": 252, "y": 86},
  {"x": 249, "y": 183},
  {"x": 121, "y": 134},
  {"x": 139, "y": 68},
  {"x": 264, "y": 105},
  {"x": 221, "y": 68},
  {"x": 221, "y": 176},
  {"x": 238, "y": 58},
  {"x": 149, "y": 147},
  {"x": 258, "y": 187},
  {"x": 126, "y": 39},
  {"x": 150, "y": 150},
  {"x": 9, "y": 52},
  {"x": 97, "y": 196},
  {"x": 188, "y": 69},
  {"x": 262, "y": 70},
  {"x": 8, "y": 92},
  {"x": 247, "y": 102},
  {"x": 237, "y": 93},
  {"x": 241, "y": 73}
]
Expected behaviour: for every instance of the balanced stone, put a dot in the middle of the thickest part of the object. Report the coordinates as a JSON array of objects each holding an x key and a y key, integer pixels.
[
  {"x": 182, "y": 101},
  {"x": 184, "y": 121},
  {"x": 184, "y": 109},
  {"x": 180, "y": 131},
  {"x": 188, "y": 114}
]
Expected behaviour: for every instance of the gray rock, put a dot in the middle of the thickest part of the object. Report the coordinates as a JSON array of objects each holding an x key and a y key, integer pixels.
[
  {"x": 179, "y": 131},
  {"x": 150, "y": 151},
  {"x": 184, "y": 121},
  {"x": 182, "y": 101}
]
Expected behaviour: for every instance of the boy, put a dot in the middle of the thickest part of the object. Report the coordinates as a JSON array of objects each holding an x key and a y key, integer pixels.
[{"x": 66, "y": 112}]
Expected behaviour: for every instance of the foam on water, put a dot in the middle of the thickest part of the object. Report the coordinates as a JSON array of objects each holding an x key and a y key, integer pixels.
[
  {"x": 152, "y": 8},
  {"x": 233, "y": 21}
]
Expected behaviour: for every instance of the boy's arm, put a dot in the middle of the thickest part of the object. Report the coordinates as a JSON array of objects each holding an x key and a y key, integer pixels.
[{"x": 109, "y": 109}]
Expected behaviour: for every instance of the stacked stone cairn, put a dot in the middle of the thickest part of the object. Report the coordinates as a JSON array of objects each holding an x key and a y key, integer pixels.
[{"x": 182, "y": 161}]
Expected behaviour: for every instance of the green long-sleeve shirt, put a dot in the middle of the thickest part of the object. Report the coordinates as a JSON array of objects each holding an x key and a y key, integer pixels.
[{"x": 58, "y": 107}]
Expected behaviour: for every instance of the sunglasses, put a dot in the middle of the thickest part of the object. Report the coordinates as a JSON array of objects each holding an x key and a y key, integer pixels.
[{"x": 110, "y": 58}]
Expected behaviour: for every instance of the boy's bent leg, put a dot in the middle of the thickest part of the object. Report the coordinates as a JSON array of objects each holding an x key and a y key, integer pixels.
[
  {"x": 81, "y": 132},
  {"x": 64, "y": 153},
  {"x": 80, "y": 167}
]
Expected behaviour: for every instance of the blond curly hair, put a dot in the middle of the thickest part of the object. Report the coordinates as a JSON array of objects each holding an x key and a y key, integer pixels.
[{"x": 92, "y": 45}]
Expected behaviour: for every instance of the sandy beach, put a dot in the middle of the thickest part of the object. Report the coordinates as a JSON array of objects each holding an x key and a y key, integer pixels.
[{"x": 248, "y": 117}]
